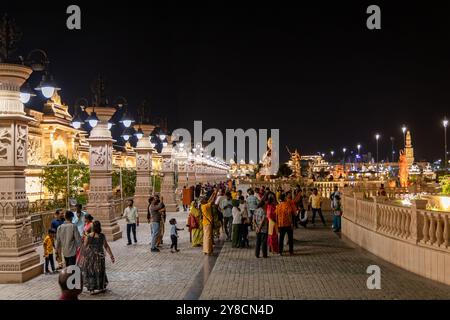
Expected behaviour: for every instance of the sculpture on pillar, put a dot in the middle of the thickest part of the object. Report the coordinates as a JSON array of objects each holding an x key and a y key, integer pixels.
[
  {"x": 403, "y": 169},
  {"x": 294, "y": 163},
  {"x": 266, "y": 170}
]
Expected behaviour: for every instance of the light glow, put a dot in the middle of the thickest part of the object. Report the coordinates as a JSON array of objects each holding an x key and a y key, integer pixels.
[
  {"x": 48, "y": 91},
  {"x": 25, "y": 97}
]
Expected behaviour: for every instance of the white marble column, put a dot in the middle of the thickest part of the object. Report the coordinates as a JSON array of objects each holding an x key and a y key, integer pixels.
[{"x": 19, "y": 261}]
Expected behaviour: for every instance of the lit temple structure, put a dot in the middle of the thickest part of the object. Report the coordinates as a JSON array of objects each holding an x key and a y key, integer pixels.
[
  {"x": 51, "y": 135},
  {"x": 409, "y": 150}
]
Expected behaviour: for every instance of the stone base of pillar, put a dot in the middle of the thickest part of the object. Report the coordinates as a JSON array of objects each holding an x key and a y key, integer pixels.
[
  {"x": 105, "y": 213},
  {"x": 20, "y": 269}
]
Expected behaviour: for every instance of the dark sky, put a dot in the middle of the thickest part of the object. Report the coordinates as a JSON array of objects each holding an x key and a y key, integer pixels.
[{"x": 313, "y": 71}]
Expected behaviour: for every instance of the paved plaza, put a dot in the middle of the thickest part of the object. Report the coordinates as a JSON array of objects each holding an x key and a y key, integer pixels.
[{"x": 323, "y": 267}]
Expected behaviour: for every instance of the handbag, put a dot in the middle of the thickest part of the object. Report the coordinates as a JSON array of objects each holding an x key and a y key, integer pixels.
[{"x": 193, "y": 223}]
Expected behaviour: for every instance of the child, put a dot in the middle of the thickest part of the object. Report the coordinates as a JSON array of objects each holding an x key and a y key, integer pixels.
[
  {"x": 337, "y": 214},
  {"x": 244, "y": 233},
  {"x": 49, "y": 244},
  {"x": 174, "y": 234}
]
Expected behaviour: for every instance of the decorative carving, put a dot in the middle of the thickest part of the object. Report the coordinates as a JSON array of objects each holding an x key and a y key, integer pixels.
[
  {"x": 99, "y": 156},
  {"x": 21, "y": 142},
  {"x": 5, "y": 143},
  {"x": 34, "y": 151},
  {"x": 142, "y": 162}
]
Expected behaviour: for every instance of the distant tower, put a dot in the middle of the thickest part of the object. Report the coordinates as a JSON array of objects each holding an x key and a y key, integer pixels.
[{"x": 409, "y": 150}]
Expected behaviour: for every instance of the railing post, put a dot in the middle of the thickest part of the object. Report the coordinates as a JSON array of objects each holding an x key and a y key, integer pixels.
[
  {"x": 416, "y": 224},
  {"x": 357, "y": 196},
  {"x": 377, "y": 200}
]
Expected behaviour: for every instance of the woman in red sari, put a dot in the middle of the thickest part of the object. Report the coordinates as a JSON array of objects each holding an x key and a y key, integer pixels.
[{"x": 273, "y": 229}]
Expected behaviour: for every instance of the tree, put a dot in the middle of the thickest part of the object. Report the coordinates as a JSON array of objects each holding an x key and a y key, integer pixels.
[
  {"x": 128, "y": 181},
  {"x": 284, "y": 170},
  {"x": 55, "y": 177},
  {"x": 445, "y": 184}
]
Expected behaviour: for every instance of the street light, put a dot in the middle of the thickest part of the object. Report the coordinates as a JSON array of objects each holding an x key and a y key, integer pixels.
[
  {"x": 445, "y": 123},
  {"x": 377, "y": 137}
]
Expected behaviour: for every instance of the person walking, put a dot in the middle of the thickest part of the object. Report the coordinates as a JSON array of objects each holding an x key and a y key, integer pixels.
[
  {"x": 226, "y": 206},
  {"x": 132, "y": 218},
  {"x": 68, "y": 239},
  {"x": 207, "y": 215},
  {"x": 315, "y": 201},
  {"x": 273, "y": 228},
  {"x": 94, "y": 267},
  {"x": 49, "y": 244},
  {"x": 285, "y": 221},
  {"x": 155, "y": 217},
  {"x": 195, "y": 225},
  {"x": 252, "y": 204},
  {"x": 78, "y": 218},
  {"x": 237, "y": 220},
  {"x": 261, "y": 227},
  {"x": 56, "y": 222},
  {"x": 174, "y": 235}
]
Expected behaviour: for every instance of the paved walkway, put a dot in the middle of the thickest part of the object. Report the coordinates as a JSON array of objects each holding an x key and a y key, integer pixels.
[{"x": 323, "y": 267}]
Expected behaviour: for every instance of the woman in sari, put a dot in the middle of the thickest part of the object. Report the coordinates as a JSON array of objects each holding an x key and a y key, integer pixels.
[
  {"x": 93, "y": 265},
  {"x": 195, "y": 225},
  {"x": 207, "y": 215},
  {"x": 273, "y": 229},
  {"x": 87, "y": 229}
]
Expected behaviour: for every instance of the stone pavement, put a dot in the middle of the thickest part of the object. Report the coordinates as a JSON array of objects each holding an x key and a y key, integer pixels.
[
  {"x": 137, "y": 273},
  {"x": 323, "y": 267}
]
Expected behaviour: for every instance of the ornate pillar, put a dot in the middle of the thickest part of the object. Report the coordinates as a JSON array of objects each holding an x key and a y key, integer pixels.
[
  {"x": 144, "y": 151},
  {"x": 168, "y": 180},
  {"x": 19, "y": 261},
  {"x": 101, "y": 202}
]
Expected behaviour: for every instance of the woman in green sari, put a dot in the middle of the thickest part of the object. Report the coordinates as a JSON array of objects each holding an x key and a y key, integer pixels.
[{"x": 195, "y": 225}]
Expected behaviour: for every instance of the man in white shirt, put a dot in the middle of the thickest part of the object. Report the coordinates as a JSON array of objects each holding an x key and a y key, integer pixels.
[{"x": 131, "y": 216}]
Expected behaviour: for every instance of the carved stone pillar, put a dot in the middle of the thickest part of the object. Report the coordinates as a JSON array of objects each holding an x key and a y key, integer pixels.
[
  {"x": 168, "y": 180},
  {"x": 19, "y": 261},
  {"x": 144, "y": 151},
  {"x": 101, "y": 203}
]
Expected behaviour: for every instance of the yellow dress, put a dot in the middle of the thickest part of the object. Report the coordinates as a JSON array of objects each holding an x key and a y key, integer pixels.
[{"x": 207, "y": 228}]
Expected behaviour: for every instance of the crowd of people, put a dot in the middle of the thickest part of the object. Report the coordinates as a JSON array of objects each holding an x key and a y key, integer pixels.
[
  {"x": 76, "y": 238},
  {"x": 218, "y": 211},
  {"x": 221, "y": 210}
]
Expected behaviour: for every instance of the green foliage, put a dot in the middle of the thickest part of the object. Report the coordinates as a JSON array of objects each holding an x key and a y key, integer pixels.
[
  {"x": 128, "y": 181},
  {"x": 445, "y": 184},
  {"x": 156, "y": 183},
  {"x": 55, "y": 178},
  {"x": 284, "y": 170}
]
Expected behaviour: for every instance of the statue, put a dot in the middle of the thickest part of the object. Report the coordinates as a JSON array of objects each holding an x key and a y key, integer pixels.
[
  {"x": 266, "y": 170},
  {"x": 403, "y": 169},
  {"x": 295, "y": 163}
]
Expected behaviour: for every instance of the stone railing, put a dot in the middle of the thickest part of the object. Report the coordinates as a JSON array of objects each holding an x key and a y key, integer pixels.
[{"x": 410, "y": 237}]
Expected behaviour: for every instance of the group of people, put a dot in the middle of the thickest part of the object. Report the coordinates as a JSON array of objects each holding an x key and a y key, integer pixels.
[
  {"x": 222, "y": 210},
  {"x": 76, "y": 238}
]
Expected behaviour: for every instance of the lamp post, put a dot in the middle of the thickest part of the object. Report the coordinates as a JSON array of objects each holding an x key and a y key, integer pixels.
[
  {"x": 445, "y": 124},
  {"x": 19, "y": 260},
  {"x": 392, "y": 148},
  {"x": 343, "y": 166},
  {"x": 377, "y": 137}
]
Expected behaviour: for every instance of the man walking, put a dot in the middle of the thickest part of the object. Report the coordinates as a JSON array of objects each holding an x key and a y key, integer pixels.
[
  {"x": 78, "y": 218},
  {"x": 131, "y": 216},
  {"x": 155, "y": 217},
  {"x": 226, "y": 205},
  {"x": 315, "y": 201},
  {"x": 285, "y": 220},
  {"x": 68, "y": 239}
]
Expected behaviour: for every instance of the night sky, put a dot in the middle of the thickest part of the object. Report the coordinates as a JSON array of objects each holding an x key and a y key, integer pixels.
[{"x": 315, "y": 72}]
